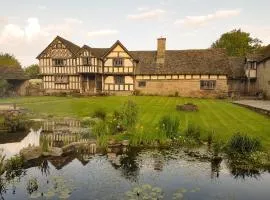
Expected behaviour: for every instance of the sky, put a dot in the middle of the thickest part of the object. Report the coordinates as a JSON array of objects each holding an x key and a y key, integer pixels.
[{"x": 28, "y": 26}]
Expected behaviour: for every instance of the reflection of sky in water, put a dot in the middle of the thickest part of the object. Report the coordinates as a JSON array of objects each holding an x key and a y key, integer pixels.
[{"x": 11, "y": 149}]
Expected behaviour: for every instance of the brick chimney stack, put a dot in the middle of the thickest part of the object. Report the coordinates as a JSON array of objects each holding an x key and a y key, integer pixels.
[{"x": 161, "y": 49}]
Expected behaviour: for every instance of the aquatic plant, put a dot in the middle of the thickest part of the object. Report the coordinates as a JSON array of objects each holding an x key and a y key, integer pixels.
[
  {"x": 169, "y": 125},
  {"x": 32, "y": 185},
  {"x": 193, "y": 132},
  {"x": 44, "y": 143},
  {"x": 217, "y": 147},
  {"x": 2, "y": 163},
  {"x": 130, "y": 114},
  {"x": 100, "y": 129},
  {"x": 99, "y": 113},
  {"x": 145, "y": 191},
  {"x": 210, "y": 138},
  {"x": 243, "y": 144}
]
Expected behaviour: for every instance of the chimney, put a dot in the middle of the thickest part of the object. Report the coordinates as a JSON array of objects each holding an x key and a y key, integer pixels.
[{"x": 161, "y": 49}]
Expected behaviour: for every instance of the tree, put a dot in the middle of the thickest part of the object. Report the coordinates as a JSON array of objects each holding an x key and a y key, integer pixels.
[
  {"x": 238, "y": 43},
  {"x": 32, "y": 71},
  {"x": 9, "y": 60}
]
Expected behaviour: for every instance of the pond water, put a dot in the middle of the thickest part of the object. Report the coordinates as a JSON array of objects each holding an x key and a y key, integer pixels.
[{"x": 123, "y": 174}]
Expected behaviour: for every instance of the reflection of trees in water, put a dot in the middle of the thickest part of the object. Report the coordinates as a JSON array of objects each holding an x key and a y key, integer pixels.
[
  {"x": 127, "y": 164},
  {"x": 3, "y": 188},
  {"x": 243, "y": 171},
  {"x": 44, "y": 167},
  {"x": 215, "y": 168}
]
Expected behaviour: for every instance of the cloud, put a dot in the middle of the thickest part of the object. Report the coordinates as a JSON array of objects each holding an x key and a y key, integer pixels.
[
  {"x": 142, "y": 8},
  {"x": 205, "y": 19},
  {"x": 73, "y": 21},
  {"x": 42, "y": 7},
  {"x": 26, "y": 40},
  {"x": 104, "y": 32},
  {"x": 151, "y": 14},
  {"x": 3, "y": 20}
]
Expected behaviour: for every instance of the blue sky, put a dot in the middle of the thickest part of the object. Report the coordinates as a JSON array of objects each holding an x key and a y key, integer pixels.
[{"x": 26, "y": 27}]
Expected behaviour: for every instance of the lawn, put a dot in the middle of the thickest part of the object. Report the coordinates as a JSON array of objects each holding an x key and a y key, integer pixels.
[{"x": 221, "y": 116}]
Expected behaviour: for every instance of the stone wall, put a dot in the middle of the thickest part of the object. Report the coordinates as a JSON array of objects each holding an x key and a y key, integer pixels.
[
  {"x": 185, "y": 88},
  {"x": 263, "y": 77}
]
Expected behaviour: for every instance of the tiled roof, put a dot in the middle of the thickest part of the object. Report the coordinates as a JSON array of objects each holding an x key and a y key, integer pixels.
[{"x": 205, "y": 61}]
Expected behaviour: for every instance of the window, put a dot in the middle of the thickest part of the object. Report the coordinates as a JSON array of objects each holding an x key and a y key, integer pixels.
[
  {"x": 142, "y": 83},
  {"x": 59, "y": 62},
  {"x": 119, "y": 80},
  {"x": 208, "y": 85},
  {"x": 86, "y": 61},
  {"x": 253, "y": 65},
  {"x": 118, "y": 62},
  {"x": 61, "y": 79}
]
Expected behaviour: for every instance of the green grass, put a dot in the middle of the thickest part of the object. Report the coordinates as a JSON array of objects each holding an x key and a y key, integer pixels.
[{"x": 221, "y": 116}]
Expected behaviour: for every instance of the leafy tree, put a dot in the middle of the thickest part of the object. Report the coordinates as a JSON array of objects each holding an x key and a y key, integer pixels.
[
  {"x": 238, "y": 43},
  {"x": 32, "y": 71},
  {"x": 9, "y": 60}
]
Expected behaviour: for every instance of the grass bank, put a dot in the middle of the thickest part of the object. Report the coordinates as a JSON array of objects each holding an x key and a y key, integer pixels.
[{"x": 218, "y": 115}]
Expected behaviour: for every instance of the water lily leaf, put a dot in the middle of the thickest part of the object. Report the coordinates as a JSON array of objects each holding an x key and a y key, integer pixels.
[
  {"x": 197, "y": 189},
  {"x": 193, "y": 190},
  {"x": 182, "y": 190},
  {"x": 137, "y": 190},
  {"x": 35, "y": 195},
  {"x": 157, "y": 190},
  {"x": 147, "y": 187},
  {"x": 64, "y": 196},
  {"x": 130, "y": 194},
  {"x": 49, "y": 194},
  {"x": 178, "y": 195}
]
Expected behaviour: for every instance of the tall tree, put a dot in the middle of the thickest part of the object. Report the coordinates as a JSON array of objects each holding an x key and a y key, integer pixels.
[
  {"x": 9, "y": 60},
  {"x": 238, "y": 43},
  {"x": 32, "y": 71}
]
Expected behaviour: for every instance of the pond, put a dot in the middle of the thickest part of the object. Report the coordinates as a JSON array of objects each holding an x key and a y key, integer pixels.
[{"x": 132, "y": 173}]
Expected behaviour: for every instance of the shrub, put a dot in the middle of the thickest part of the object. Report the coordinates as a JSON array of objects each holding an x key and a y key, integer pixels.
[
  {"x": 129, "y": 113},
  {"x": 99, "y": 113},
  {"x": 16, "y": 121},
  {"x": 187, "y": 107},
  {"x": 124, "y": 119},
  {"x": 100, "y": 129},
  {"x": 4, "y": 87},
  {"x": 243, "y": 144},
  {"x": 169, "y": 125},
  {"x": 193, "y": 132}
]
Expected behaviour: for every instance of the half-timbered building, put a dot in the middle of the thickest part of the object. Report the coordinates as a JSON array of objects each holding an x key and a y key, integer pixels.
[{"x": 66, "y": 67}]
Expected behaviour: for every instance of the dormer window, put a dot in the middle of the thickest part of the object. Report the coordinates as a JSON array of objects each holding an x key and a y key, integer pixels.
[
  {"x": 59, "y": 62},
  {"x": 118, "y": 62},
  {"x": 86, "y": 61}
]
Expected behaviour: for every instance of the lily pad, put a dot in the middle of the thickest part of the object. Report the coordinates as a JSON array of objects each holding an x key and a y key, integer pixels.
[
  {"x": 49, "y": 194},
  {"x": 147, "y": 187},
  {"x": 64, "y": 196},
  {"x": 35, "y": 195}
]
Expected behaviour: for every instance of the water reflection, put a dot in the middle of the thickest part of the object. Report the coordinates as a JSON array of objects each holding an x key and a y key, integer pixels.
[{"x": 13, "y": 148}]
